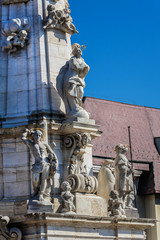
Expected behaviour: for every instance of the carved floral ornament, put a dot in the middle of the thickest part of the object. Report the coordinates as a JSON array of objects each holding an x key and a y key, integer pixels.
[
  {"x": 15, "y": 34},
  {"x": 8, "y": 234}
]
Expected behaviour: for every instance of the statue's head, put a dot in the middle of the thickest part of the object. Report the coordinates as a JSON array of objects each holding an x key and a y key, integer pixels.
[
  {"x": 84, "y": 139},
  {"x": 23, "y": 34},
  {"x": 121, "y": 148},
  {"x": 114, "y": 194},
  {"x": 76, "y": 50},
  {"x": 36, "y": 135},
  {"x": 65, "y": 186},
  {"x": 50, "y": 8}
]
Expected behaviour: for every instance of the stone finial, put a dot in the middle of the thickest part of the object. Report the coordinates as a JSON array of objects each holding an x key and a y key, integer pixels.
[
  {"x": 60, "y": 19},
  {"x": 68, "y": 198},
  {"x": 45, "y": 166},
  {"x": 8, "y": 234},
  {"x": 70, "y": 84},
  {"x": 16, "y": 33}
]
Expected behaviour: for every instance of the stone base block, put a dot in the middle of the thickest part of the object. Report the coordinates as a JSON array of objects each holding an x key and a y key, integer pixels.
[
  {"x": 132, "y": 213},
  {"x": 90, "y": 205},
  {"x": 40, "y": 208}
]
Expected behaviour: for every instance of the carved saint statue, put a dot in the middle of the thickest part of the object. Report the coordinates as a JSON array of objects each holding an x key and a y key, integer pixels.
[
  {"x": 70, "y": 84},
  {"x": 67, "y": 198},
  {"x": 45, "y": 166},
  {"x": 16, "y": 33},
  {"x": 115, "y": 205},
  {"x": 124, "y": 176}
]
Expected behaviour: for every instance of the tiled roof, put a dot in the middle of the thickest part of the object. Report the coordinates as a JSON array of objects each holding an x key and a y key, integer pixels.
[{"x": 114, "y": 119}]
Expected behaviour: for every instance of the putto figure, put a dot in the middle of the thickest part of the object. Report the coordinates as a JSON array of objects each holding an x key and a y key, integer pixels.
[
  {"x": 115, "y": 205},
  {"x": 60, "y": 19},
  {"x": 124, "y": 176},
  {"x": 45, "y": 166},
  {"x": 67, "y": 198},
  {"x": 16, "y": 32},
  {"x": 70, "y": 84}
]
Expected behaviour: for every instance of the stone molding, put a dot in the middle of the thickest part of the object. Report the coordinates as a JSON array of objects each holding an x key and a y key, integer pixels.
[{"x": 7, "y": 2}]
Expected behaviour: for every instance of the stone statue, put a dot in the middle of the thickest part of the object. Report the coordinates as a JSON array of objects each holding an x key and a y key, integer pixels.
[
  {"x": 60, "y": 19},
  {"x": 124, "y": 176},
  {"x": 70, "y": 84},
  {"x": 8, "y": 234},
  {"x": 77, "y": 144},
  {"x": 16, "y": 33},
  {"x": 106, "y": 179},
  {"x": 115, "y": 205},
  {"x": 45, "y": 166},
  {"x": 67, "y": 198}
]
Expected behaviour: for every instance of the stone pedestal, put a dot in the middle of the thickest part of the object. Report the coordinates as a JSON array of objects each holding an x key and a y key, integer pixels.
[
  {"x": 62, "y": 227},
  {"x": 90, "y": 205}
]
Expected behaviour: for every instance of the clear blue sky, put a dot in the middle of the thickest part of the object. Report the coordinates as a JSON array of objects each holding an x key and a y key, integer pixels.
[{"x": 123, "y": 48}]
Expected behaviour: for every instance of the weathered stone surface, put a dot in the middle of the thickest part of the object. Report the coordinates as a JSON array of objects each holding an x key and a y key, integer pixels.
[{"x": 90, "y": 205}]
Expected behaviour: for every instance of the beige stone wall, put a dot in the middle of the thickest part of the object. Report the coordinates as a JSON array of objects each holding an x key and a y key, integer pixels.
[{"x": 152, "y": 208}]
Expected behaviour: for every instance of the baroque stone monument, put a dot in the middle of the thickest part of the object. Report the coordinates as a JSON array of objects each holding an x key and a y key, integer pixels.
[{"x": 47, "y": 186}]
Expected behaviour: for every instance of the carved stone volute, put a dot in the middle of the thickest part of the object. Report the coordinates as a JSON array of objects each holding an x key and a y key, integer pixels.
[
  {"x": 75, "y": 145},
  {"x": 8, "y": 234}
]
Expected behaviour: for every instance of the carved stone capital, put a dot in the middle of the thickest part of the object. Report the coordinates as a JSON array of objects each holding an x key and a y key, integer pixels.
[{"x": 8, "y": 234}]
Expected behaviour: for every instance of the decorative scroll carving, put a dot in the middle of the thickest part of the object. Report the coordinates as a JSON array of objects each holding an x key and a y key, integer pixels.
[
  {"x": 16, "y": 33},
  {"x": 70, "y": 84},
  {"x": 67, "y": 198},
  {"x": 124, "y": 176},
  {"x": 60, "y": 19},
  {"x": 115, "y": 205},
  {"x": 83, "y": 183},
  {"x": 8, "y": 234},
  {"x": 7, "y": 2},
  {"x": 77, "y": 144},
  {"x": 45, "y": 166}
]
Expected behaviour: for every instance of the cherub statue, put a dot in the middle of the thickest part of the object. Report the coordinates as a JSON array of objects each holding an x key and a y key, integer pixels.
[
  {"x": 124, "y": 176},
  {"x": 16, "y": 40},
  {"x": 66, "y": 20},
  {"x": 16, "y": 32},
  {"x": 67, "y": 198},
  {"x": 45, "y": 166},
  {"x": 52, "y": 18},
  {"x": 115, "y": 205},
  {"x": 70, "y": 84}
]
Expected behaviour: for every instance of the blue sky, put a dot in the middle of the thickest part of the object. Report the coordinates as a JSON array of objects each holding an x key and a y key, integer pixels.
[{"x": 123, "y": 49}]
